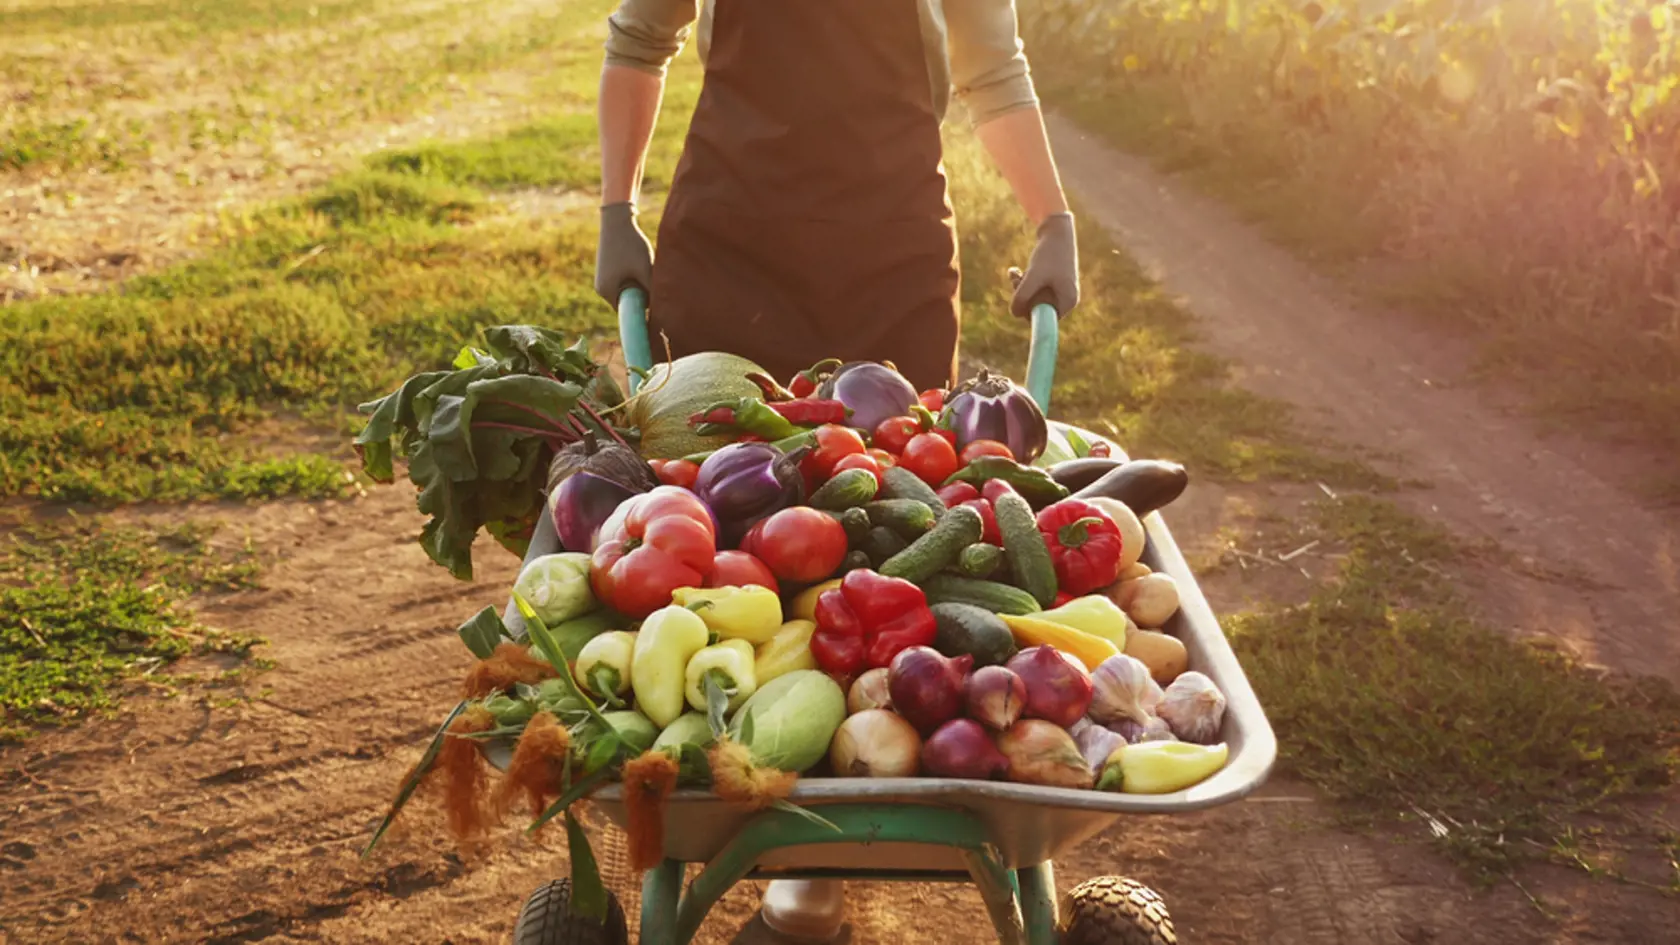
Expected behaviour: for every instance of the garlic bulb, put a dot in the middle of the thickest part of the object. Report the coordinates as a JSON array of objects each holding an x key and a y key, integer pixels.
[
  {"x": 1194, "y": 707},
  {"x": 1097, "y": 744},
  {"x": 1154, "y": 730},
  {"x": 1122, "y": 688}
]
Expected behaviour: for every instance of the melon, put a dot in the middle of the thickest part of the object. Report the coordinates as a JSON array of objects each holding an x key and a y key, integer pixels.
[{"x": 677, "y": 390}]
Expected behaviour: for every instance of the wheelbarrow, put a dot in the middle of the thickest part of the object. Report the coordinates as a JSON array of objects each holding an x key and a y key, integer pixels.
[{"x": 1000, "y": 836}]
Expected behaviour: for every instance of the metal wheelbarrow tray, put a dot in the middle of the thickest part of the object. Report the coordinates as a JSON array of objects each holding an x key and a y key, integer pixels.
[{"x": 1001, "y": 835}]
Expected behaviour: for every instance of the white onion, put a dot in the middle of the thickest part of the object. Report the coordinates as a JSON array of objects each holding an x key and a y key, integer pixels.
[
  {"x": 875, "y": 743},
  {"x": 869, "y": 691}
]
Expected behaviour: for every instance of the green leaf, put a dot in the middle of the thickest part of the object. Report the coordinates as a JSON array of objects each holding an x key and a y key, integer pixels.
[
  {"x": 578, "y": 790},
  {"x": 412, "y": 782},
  {"x": 589, "y": 896},
  {"x": 390, "y": 413},
  {"x": 542, "y": 640},
  {"x": 717, "y": 705},
  {"x": 482, "y": 632},
  {"x": 602, "y": 753},
  {"x": 786, "y": 806}
]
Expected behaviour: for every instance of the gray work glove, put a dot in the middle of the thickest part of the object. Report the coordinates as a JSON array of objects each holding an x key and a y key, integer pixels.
[
  {"x": 1053, "y": 271},
  {"x": 623, "y": 257}
]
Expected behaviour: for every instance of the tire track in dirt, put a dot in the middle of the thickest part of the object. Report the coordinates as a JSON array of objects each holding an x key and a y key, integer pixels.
[{"x": 1594, "y": 567}]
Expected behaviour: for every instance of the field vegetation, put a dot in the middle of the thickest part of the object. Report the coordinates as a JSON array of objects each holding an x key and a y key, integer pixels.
[{"x": 1508, "y": 168}]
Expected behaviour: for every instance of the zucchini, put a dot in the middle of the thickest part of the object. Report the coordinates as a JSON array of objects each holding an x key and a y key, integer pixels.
[
  {"x": 976, "y": 631},
  {"x": 848, "y": 488},
  {"x": 1024, "y": 548},
  {"x": 929, "y": 554},
  {"x": 1143, "y": 484},
  {"x": 881, "y": 544},
  {"x": 909, "y": 518},
  {"x": 900, "y": 483},
  {"x": 980, "y": 560},
  {"x": 988, "y": 595}
]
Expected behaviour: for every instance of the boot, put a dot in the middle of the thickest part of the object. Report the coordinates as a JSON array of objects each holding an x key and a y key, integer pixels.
[{"x": 812, "y": 910}]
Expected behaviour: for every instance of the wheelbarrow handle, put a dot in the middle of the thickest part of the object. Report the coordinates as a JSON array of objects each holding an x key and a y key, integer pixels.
[{"x": 1041, "y": 354}]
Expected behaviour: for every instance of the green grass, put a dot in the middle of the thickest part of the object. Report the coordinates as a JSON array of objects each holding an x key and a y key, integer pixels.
[
  {"x": 1389, "y": 694},
  {"x": 88, "y": 609}
]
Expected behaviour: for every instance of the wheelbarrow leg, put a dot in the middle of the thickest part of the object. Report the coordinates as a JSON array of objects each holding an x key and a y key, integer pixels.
[
  {"x": 997, "y": 890},
  {"x": 661, "y": 888},
  {"x": 1038, "y": 902}
]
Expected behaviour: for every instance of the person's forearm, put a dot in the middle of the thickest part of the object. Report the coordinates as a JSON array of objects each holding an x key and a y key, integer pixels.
[
  {"x": 629, "y": 107},
  {"x": 1020, "y": 150}
]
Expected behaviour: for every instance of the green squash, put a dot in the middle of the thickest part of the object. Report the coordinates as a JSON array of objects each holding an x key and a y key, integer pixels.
[{"x": 676, "y": 391}]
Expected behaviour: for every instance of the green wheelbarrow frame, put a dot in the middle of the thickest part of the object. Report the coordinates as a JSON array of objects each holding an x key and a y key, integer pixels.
[{"x": 1001, "y": 836}]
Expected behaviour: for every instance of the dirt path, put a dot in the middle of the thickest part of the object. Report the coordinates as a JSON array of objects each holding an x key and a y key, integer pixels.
[{"x": 1592, "y": 566}]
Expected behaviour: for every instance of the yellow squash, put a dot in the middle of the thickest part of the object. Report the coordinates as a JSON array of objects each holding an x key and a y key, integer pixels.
[{"x": 1094, "y": 614}]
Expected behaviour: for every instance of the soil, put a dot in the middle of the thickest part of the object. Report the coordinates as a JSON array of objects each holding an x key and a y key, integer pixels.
[{"x": 187, "y": 821}]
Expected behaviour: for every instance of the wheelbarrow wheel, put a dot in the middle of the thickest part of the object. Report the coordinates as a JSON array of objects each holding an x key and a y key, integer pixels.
[
  {"x": 546, "y": 919},
  {"x": 1114, "y": 910}
]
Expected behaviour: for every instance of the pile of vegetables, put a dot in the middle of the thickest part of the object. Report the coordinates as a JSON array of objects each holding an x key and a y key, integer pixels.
[{"x": 843, "y": 577}]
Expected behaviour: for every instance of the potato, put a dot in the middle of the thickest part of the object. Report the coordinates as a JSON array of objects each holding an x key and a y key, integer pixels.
[
  {"x": 1132, "y": 536},
  {"x": 1163, "y": 654},
  {"x": 1150, "y": 600},
  {"x": 1135, "y": 571}
]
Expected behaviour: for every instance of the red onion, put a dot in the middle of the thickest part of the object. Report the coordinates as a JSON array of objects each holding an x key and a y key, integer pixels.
[
  {"x": 926, "y": 687},
  {"x": 995, "y": 697},
  {"x": 1058, "y": 687},
  {"x": 962, "y": 749}
]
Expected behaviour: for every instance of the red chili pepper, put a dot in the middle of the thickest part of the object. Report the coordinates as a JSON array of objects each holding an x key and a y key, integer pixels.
[
  {"x": 988, "y": 520},
  {"x": 957, "y": 493},
  {"x": 867, "y": 620},
  {"x": 724, "y": 415},
  {"x": 805, "y": 383},
  {"x": 1084, "y": 545},
  {"x": 810, "y": 412}
]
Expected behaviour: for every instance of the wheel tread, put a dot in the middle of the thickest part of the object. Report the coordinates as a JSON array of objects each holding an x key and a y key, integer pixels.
[
  {"x": 1115, "y": 910},
  {"x": 544, "y": 920}
]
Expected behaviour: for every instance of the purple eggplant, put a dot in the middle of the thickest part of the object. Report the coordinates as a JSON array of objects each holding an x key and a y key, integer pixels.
[
  {"x": 582, "y": 503},
  {"x": 873, "y": 392},
  {"x": 993, "y": 407},
  {"x": 744, "y": 482}
]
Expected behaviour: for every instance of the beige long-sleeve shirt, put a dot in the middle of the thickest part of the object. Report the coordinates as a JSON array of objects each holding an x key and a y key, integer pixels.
[{"x": 973, "y": 48}]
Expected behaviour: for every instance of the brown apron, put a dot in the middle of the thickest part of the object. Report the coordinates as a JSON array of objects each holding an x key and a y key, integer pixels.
[{"x": 808, "y": 217}]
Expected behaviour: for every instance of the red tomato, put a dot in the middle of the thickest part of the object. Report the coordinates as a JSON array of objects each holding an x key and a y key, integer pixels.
[
  {"x": 883, "y": 458},
  {"x": 976, "y": 448},
  {"x": 860, "y": 461},
  {"x": 893, "y": 433},
  {"x": 798, "y": 544},
  {"x": 676, "y": 472},
  {"x": 930, "y": 457},
  {"x": 739, "y": 569},
  {"x": 933, "y": 400},
  {"x": 957, "y": 493},
  {"x": 665, "y": 541},
  {"x": 834, "y": 443},
  {"x": 949, "y": 436}
]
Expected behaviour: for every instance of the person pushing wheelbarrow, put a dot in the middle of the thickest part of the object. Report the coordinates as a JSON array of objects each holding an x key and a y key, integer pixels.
[{"x": 809, "y": 217}]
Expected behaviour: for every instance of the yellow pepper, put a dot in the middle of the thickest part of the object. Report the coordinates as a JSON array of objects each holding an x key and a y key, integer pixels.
[
  {"x": 668, "y": 639},
  {"x": 1161, "y": 767},
  {"x": 1085, "y": 647},
  {"x": 788, "y": 650},
  {"x": 603, "y": 665},
  {"x": 805, "y": 604},
  {"x": 730, "y": 664},
  {"x": 750, "y": 613},
  {"x": 1095, "y": 614}
]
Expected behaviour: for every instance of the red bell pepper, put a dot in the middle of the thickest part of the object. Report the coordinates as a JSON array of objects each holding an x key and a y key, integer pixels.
[
  {"x": 867, "y": 620},
  {"x": 1084, "y": 545},
  {"x": 805, "y": 383},
  {"x": 665, "y": 541}
]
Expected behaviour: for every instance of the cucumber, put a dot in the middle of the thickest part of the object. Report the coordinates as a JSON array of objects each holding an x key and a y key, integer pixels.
[
  {"x": 854, "y": 561},
  {"x": 855, "y": 521},
  {"x": 976, "y": 631},
  {"x": 881, "y": 544},
  {"x": 929, "y": 554},
  {"x": 846, "y": 489},
  {"x": 988, "y": 595},
  {"x": 1024, "y": 548},
  {"x": 909, "y": 518},
  {"x": 900, "y": 483},
  {"x": 980, "y": 560}
]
